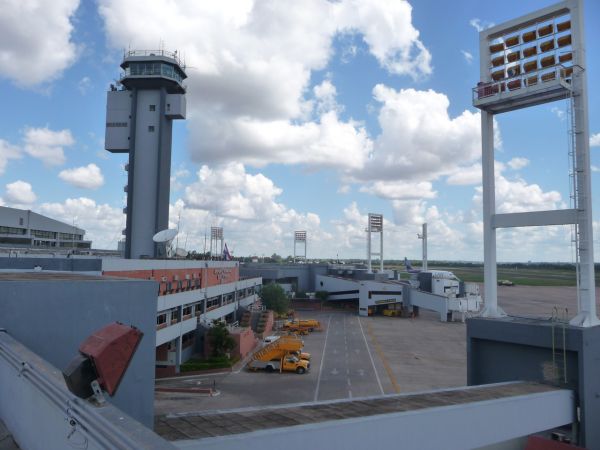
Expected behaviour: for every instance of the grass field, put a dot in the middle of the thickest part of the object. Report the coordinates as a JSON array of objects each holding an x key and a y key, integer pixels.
[{"x": 519, "y": 276}]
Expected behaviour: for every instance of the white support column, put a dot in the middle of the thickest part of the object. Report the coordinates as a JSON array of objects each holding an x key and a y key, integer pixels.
[
  {"x": 369, "y": 269},
  {"x": 490, "y": 277},
  {"x": 587, "y": 287},
  {"x": 179, "y": 343},
  {"x": 424, "y": 252},
  {"x": 381, "y": 252}
]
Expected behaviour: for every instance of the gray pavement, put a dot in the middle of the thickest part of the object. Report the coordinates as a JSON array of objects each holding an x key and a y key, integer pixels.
[{"x": 355, "y": 357}]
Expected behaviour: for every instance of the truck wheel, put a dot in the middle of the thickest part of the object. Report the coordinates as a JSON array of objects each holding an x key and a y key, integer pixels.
[
  {"x": 269, "y": 369},
  {"x": 300, "y": 370}
]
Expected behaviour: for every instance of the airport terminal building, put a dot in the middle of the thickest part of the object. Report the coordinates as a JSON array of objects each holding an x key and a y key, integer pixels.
[{"x": 20, "y": 228}]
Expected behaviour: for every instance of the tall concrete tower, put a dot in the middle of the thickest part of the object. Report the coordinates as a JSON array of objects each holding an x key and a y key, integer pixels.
[{"x": 139, "y": 121}]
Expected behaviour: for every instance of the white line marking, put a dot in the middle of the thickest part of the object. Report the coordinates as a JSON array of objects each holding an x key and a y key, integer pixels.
[
  {"x": 322, "y": 359},
  {"x": 371, "y": 356}
]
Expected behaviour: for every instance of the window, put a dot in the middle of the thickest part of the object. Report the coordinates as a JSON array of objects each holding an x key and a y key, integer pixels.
[
  {"x": 12, "y": 230},
  {"x": 43, "y": 234},
  {"x": 152, "y": 107},
  {"x": 187, "y": 311},
  {"x": 21, "y": 221},
  {"x": 168, "y": 107},
  {"x": 151, "y": 128},
  {"x": 160, "y": 319}
]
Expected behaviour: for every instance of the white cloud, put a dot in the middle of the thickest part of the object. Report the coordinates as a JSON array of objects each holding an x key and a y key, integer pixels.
[
  {"x": 229, "y": 191},
  {"x": 518, "y": 163},
  {"x": 468, "y": 56},
  {"x": 400, "y": 190},
  {"x": 595, "y": 168},
  {"x": 36, "y": 43},
  {"x": 20, "y": 193},
  {"x": 480, "y": 25},
  {"x": 519, "y": 196},
  {"x": 387, "y": 29},
  {"x": 251, "y": 100},
  {"x": 84, "y": 85},
  {"x": 419, "y": 140},
  {"x": 102, "y": 223},
  {"x": 595, "y": 140},
  {"x": 7, "y": 152},
  {"x": 87, "y": 177},
  {"x": 466, "y": 175},
  {"x": 47, "y": 145},
  {"x": 329, "y": 143},
  {"x": 247, "y": 206},
  {"x": 558, "y": 112}
]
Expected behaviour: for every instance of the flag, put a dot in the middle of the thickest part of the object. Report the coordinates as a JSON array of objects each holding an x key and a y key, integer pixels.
[{"x": 226, "y": 254}]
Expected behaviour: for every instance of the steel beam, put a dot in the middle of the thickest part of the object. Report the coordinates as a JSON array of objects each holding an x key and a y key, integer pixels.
[{"x": 535, "y": 218}]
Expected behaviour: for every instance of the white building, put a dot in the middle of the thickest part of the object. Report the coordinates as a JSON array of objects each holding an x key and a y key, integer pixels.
[{"x": 22, "y": 228}]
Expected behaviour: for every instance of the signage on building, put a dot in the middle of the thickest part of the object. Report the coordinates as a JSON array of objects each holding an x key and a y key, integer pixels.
[
  {"x": 223, "y": 274},
  {"x": 384, "y": 301}
]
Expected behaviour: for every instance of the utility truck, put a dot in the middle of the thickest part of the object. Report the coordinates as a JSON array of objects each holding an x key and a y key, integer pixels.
[
  {"x": 284, "y": 354},
  {"x": 302, "y": 326}
]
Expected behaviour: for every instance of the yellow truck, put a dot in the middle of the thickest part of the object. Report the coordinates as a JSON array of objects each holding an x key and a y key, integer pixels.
[
  {"x": 284, "y": 354},
  {"x": 302, "y": 326}
]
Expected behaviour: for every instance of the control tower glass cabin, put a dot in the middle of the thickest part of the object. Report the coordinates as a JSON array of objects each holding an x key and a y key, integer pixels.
[{"x": 139, "y": 115}]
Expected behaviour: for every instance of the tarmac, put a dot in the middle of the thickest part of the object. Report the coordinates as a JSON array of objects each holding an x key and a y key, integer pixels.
[{"x": 361, "y": 357}]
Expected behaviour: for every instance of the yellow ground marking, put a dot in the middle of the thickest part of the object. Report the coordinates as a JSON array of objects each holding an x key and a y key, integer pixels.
[{"x": 387, "y": 367}]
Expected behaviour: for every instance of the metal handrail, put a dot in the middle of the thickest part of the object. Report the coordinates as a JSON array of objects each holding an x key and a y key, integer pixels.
[
  {"x": 173, "y": 55},
  {"x": 498, "y": 87}
]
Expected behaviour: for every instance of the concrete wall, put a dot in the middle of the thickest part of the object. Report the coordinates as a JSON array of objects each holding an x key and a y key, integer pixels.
[
  {"x": 53, "y": 317},
  {"x": 245, "y": 341},
  {"x": 523, "y": 349}
]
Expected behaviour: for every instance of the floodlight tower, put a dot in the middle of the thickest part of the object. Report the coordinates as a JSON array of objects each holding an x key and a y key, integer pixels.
[
  {"x": 528, "y": 61},
  {"x": 139, "y": 121},
  {"x": 300, "y": 238},
  {"x": 216, "y": 241},
  {"x": 375, "y": 225}
]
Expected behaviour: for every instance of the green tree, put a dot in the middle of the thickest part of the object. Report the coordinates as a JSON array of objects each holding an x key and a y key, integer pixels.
[
  {"x": 273, "y": 297},
  {"x": 322, "y": 295},
  {"x": 220, "y": 339}
]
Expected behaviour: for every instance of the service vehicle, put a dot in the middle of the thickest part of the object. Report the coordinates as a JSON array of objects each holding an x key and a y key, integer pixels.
[{"x": 283, "y": 354}]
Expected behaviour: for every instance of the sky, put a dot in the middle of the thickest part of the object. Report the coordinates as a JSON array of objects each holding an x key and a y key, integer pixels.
[{"x": 301, "y": 116}]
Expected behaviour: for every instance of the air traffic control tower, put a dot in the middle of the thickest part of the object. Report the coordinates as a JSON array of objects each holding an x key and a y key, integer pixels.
[{"x": 139, "y": 121}]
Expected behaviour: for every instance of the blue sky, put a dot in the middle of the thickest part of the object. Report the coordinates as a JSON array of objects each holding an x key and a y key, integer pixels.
[{"x": 304, "y": 117}]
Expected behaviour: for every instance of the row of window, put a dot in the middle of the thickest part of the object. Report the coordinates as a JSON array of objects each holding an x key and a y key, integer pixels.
[
  {"x": 172, "y": 315},
  {"x": 12, "y": 230},
  {"x": 53, "y": 235},
  {"x": 153, "y": 69}
]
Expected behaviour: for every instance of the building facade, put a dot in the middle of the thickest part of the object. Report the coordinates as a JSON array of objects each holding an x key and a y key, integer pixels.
[
  {"x": 191, "y": 294},
  {"x": 22, "y": 228}
]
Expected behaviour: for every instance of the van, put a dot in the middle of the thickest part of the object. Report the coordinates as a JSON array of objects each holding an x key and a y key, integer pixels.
[{"x": 269, "y": 339}]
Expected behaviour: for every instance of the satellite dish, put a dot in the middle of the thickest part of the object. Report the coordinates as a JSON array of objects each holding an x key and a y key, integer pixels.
[
  {"x": 181, "y": 252},
  {"x": 165, "y": 235}
]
